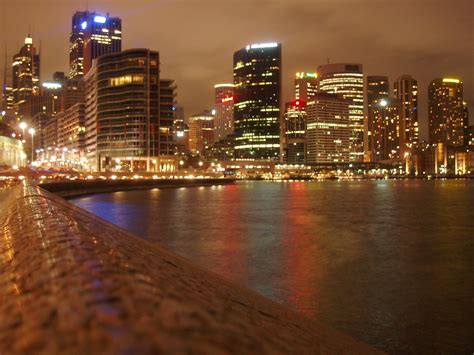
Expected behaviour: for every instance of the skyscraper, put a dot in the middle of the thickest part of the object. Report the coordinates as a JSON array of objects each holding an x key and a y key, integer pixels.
[
  {"x": 377, "y": 90},
  {"x": 224, "y": 104},
  {"x": 328, "y": 129},
  {"x": 128, "y": 113},
  {"x": 92, "y": 35},
  {"x": 405, "y": 91},
  {"x": 306, "y": 86},
  {"x": 257, "y": 100},
  {"x": 26, "y": 73},
  {"x": 294, "y": 138},
  {"x": 385, "y": 130},
  {"x": 446, "y": 111},
  {"x": 347, "y": 80}
]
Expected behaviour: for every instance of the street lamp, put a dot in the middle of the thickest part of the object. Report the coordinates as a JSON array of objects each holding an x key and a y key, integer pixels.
[
  {"x": 23, "y": 126},
  {"x": 32, "y": 132}
]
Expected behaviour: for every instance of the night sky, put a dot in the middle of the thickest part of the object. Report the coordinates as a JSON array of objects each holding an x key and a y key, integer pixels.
[{"x": 197, "y": 38}]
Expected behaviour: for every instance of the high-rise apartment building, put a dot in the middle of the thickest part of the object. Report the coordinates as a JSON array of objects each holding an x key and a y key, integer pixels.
[
  {"x": 385, "y": 130},
  {"x": 446, "y": 111},
  {"x": 306, "y": 86},
  {"x": 129, "y": 113},
  {"x": 294, "y": 137},
  {"x": 405, "y": 91},
  {"x": 328, "y": 129},
  {"x": 257, "y": 100},
  {"x": 201, "y": 132},
  {"x": 377, "y": 90},
  {"x": 25, "y": 74},
  {"x": 224, "y": 105},
  {"x": 347, "y": 80},
  {"x": 92, "y": 35}
]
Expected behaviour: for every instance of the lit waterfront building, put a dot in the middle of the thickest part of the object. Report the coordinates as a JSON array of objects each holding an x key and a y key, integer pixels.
[
  {"x": 25, "y": 73},
  {"x": 201, "y": 132},
  {"x": 92, "y": 35},
  {"x": 328, "y": 129},
  {"x": 72, "y": 130},
  {"x": 12, "y": 152},
  {"x": 446, "y": 111},
  {"x": 377, "y": 90},
  {"x": 306, "y": 86},
  {"x": 294, "y": 137},
  {"x": 224, "y": 105},
  {"x": 347, "y": 80},
  {"x": 405, "y": 91},
  {"x": 129, "y": 113},
  {"x": 257, "y": 100},
  {"x": 385, "y": 130}
]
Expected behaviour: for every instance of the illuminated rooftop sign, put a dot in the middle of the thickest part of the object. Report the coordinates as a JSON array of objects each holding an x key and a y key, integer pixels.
[
  {"x": 227, "y": 99},
  {"x": 262, "y": 45},
  {"x": 301, "y": 75},
  {"x": 450, "y": 80},
  {"x": 84, "y": 25},
  {"x": 51, "y": 85},
  {"x": 28, "y": 40},
  {"x": 99, "y": 19}
]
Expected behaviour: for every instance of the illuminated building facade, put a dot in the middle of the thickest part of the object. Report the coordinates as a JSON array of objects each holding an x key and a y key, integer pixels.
[
  {"x": 306, "y": 86},
  {"x": 92, "y": 35},
  {"x": 446, "y": 112},
  {"x": 405, "y": 91},
  {"x": 25, "y": 74},
  {"x": 377, "y": 90},
  {"x": 201, "y": 132},
  {"x": 72, "y": 130},
  {"x": 257, "y": 100},
  {"x": 328, "y": 129},
  {"x": 294, "y": 142},
  {"x": 129, "y": 113},
  {"x": 224, "y": 105},
  {"x": 385, "y": 130},
  {"x": 347, "y": 80}
]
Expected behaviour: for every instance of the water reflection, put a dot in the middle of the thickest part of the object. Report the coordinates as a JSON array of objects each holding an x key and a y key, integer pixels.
[{"x": 389, "y": 262}]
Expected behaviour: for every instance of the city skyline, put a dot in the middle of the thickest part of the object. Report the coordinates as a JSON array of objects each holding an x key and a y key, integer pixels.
[{"x": 198, "y": 65}]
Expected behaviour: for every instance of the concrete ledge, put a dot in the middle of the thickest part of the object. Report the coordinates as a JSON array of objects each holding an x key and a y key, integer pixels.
[
  {"x": 73, "y": 283},
  {"x": 87, "y": 187}
]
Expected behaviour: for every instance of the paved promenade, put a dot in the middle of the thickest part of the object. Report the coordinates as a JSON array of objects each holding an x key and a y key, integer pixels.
[{"x": 73, "y": 283}]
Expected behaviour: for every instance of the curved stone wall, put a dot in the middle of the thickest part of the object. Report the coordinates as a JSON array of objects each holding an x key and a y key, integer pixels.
[{"x": 73, "y": 283}]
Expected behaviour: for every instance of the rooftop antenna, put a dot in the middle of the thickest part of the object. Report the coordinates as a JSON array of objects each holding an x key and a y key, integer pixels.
[
  {"x": 87, "y": 5},
  {"x": 328, "y": 60}
]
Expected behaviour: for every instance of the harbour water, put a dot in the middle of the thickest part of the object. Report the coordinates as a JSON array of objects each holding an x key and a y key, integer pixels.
[{"x": 389, "y": 262}]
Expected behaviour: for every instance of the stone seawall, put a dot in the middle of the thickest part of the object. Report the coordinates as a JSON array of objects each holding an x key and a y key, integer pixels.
[
  {"x": 71, "y": 282},
  {"x": 87, "y": 187}
]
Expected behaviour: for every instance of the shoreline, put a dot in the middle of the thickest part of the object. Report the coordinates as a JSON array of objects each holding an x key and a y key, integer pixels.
[{"x": 75, "y": 188}]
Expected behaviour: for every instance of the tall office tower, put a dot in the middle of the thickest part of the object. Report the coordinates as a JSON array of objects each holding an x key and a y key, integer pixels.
[
  {"x": 201, "y": 132},
  {"x": 92, "y": 35},
  {"x": 306, "y": 86},
  {"x": 465, "y": 109},
  {"x": 405, "y": 91},
  {"x": 224, "y": 105},
  {"x": 26, "y": 73},
  {"x": 328, "y": 129},
  {"x": 167, "y": 117},
  {"x": 125, "y": 99},
  {"x": 446, "y": 113},
  {"x": 386, "y": 130},
  {"x": 377, "y": 90},
  {"x": 348, "y": 81},
  {"x": 294, "y": 138},
  {"x": 59, "y": 77},
  {"x": 257, "y": 100}
]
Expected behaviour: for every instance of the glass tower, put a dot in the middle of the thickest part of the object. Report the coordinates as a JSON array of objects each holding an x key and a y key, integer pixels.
[{"x": 257, "y": 99}]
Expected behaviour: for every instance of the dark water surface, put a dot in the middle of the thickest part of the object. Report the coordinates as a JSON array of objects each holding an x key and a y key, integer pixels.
[{"x": 389, "y": 262}]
